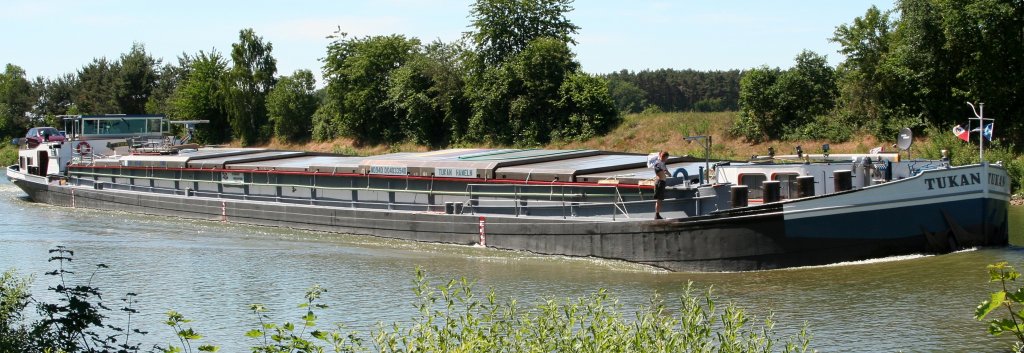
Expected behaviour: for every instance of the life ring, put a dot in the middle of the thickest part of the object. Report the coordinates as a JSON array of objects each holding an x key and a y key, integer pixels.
[
  {"x": 681, "y": 171},
  {"x": 83, "y": 148}
]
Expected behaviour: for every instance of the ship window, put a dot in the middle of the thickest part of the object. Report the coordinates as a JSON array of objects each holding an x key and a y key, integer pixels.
[
  {"x": 89, "y": 127},
  {"x": 787, "y": 185},
  {"x": 753, "y": 182},
  {"x": 122, "y": 126}
]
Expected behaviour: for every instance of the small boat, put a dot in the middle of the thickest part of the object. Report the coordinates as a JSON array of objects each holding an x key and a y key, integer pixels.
[{"x": 720, "y": 215}]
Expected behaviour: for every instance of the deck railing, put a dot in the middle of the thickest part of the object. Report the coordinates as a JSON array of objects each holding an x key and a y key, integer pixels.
[{"x": 569, "y": 198}]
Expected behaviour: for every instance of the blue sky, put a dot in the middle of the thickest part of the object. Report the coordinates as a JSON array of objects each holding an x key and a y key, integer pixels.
[{"x": 50, "y": 38}]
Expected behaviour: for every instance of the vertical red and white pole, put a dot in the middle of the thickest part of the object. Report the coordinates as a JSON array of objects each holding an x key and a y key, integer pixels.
[{"x": 483, "y": 231}]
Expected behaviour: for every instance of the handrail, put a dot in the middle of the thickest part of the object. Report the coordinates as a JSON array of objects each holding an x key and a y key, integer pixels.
[
  {"x": 453, "y": 193},
  {"x": 569, "y": 196},
  {"x": 339, "y": 203},
  {"x": 618, "y": 204}
]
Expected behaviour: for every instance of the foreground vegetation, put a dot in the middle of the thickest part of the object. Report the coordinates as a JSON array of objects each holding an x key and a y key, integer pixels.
[
  {"x": 1008, "y": 300},
  {"x": 452, "y": 318}
]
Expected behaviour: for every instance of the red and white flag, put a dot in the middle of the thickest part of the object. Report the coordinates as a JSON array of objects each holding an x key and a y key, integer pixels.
[{"x": 961, "y": 133}]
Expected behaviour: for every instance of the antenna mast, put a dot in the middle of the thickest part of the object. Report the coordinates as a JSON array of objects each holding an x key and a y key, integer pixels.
[{"x": 979, "y": 113}]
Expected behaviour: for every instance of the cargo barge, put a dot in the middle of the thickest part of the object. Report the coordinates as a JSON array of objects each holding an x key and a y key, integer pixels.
[{"x": 720, "y": 216}]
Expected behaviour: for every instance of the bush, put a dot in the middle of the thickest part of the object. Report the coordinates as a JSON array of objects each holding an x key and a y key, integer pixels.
[
  {"x": 1012, "y": 299},
  {"x": 8, "y": 155},
  {"x": 71, "y": 324},
  {"x": 14, "y": 297},
  {"x": 452, "y": 318}
]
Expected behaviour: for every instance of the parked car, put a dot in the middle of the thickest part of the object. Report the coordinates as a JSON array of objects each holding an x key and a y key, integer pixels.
[{"x": 37, "y": 135}]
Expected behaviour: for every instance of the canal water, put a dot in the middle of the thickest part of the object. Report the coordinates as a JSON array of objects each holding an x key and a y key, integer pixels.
[{"x": 210, "y": 272}]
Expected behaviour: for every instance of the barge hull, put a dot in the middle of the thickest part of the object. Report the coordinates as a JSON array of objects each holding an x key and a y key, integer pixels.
[{"x": 755, "y": 239}]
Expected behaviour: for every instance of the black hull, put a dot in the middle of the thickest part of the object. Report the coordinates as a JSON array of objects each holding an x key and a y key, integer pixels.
[{"x": 754, "y": 239}]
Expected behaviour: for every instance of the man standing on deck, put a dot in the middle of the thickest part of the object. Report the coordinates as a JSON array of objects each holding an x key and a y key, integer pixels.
[{"x": 657, "y": 161}]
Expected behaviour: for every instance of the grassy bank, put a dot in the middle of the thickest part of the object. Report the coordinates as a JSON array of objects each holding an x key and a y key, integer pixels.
[
  {"x": 640, "y": 133},
  {"x": 645, "y": 133}
]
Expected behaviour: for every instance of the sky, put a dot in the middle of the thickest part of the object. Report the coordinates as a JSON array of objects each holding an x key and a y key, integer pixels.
[{"x": 54, "y": 37}]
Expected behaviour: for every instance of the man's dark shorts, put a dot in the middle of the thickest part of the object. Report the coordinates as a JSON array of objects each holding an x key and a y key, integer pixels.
[{"x": 659, "y": 189}]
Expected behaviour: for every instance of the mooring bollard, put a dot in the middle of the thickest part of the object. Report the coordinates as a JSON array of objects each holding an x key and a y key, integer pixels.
[
  {"x": 842, "y": 180},
  {"x": 805, "y": 186},
  {"x": 739, "y": 195},
  {"x": 772, "y": 190}
]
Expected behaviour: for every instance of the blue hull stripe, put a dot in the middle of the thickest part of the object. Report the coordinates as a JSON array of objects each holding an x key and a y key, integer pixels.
[{"x": 895, "y": 223}]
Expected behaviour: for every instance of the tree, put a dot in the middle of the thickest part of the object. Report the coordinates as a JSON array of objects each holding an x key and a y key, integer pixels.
[
  {"x": 428, "y": 94},
  {"x": 250, "y": 80},
  {"x": 518, "y": 102},
  {"x": 95, "y": 93},
  {"x": 167, "y": 80},
  {"x": 806, "y": 91},
  {"x": 589, "y": 104},
  {"x": 291, "y": 104},
  {"x": 137, "y": 76},
  {"x": 922, "y": 66},
  {"x": 776, "y": 104},
  {"x": 628, "y": 97},
  {"x": 861, "y": 77},
  {"x": 201, "y": 95},
  {"x": 56, "y": 97},
  {"x": 986, "y": 40},
  {"x": 540, "y": 70},
  {"x": 16, "y": 100},
  {"x": 506, "y": 27},
  {"x": 358, "y": 71},
  {"x": 759, "y": 111}
]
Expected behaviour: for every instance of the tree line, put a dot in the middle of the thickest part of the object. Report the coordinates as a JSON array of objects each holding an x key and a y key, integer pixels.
[
  {"x": 513, "y": 80},
  {"x": 671, "y": 90},
  {"x": 914, "y": 66}
]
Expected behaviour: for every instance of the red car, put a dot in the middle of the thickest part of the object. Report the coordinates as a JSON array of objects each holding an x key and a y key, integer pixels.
[{"x": 38, "y": 135}]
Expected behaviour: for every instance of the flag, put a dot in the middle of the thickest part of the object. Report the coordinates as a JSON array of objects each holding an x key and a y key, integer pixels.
[
  {"x": 987, "y": 132},
  {"x": 876, "y": 150},
  {"x": 961, "y": 133}
]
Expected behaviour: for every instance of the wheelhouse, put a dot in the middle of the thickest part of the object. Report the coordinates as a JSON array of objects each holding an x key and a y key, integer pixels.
[{"x": 100, "y": 127}]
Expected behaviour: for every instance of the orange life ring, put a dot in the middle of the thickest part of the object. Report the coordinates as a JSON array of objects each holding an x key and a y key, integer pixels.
[{"x": 83, "y": 148}]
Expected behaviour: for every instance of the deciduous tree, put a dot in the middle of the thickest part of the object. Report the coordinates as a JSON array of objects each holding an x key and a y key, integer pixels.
[
  {"x": 16, "y": 100},
  {"x": 201, "y": 95},
  {"x": 250, "y": 80},
  {"x": 506, "y": 27},
  {"x": 358, "y": 71},
  {"x": 291, "y": 104}
]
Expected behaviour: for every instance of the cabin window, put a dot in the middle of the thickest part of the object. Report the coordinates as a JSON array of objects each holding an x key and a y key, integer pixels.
[
  {"x": 753, "y": 182},
  {"x": 787, "y": 185},
  {"x": 122, "y": 126}
]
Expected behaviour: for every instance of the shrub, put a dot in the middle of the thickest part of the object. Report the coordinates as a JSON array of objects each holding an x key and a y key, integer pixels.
[
  {"x": 14, "y": 297},
  {"x": 8, "y": 155},
  {"x": 1012, "y": 299}
]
